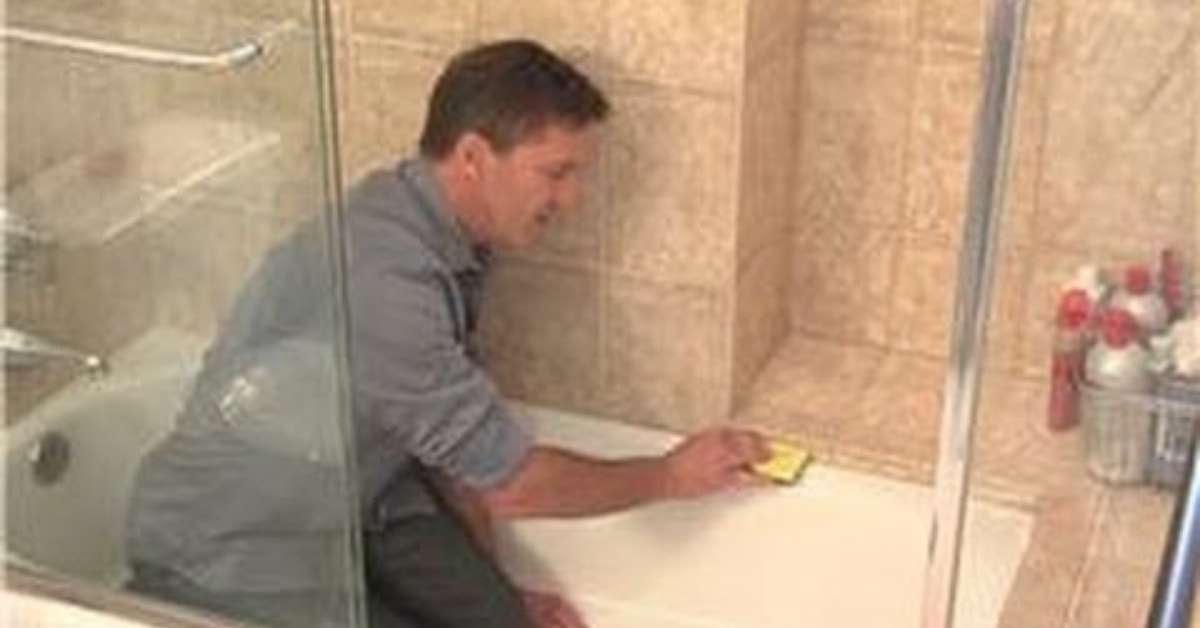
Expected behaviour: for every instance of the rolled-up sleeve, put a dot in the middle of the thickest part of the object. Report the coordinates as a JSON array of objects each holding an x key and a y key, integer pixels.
[{"x": 415, "y": 379}]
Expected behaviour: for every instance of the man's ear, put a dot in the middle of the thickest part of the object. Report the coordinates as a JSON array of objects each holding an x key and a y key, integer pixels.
[{"x": 472, "y": 151}]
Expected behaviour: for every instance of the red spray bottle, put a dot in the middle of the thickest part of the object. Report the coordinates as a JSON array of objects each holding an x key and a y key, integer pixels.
[{"x": 1066, "y": 365}]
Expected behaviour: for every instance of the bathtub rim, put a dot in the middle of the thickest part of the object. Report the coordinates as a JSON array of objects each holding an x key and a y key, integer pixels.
[{"x": 141, "y": 611}]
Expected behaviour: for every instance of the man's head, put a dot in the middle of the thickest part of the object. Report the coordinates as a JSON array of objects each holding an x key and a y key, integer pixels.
[{"x": 510, "y": 126}]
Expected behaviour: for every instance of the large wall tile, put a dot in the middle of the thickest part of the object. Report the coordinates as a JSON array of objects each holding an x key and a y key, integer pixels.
[
  {"x": 446, "y": 24},
  {"x": 573, "y": 26},
  {"x": 1130, "y": 534},
  {"x": 213, "y": 18},
  {"x": 679, "y": 42},
  {"x": 668, "y": 354},
  {"x": 768, "y": 163},
  {"x": 1112, "y": 593},
  {"x": 1013, "y": 445},
  {"x": 922, "y": 311},
  {"x": 962, "y": 24},
  {"x": 957, "y": 22},
  {"x": 59, "y": 106},
  {"x": 1047, "y": 581},
  {"x": 389, "y": 88},
  {"x": 897, "y": 429},
  {"x": 1119, "y": 137},
  {"x": 29, "y": 300},
  {"x": 854, "y": 127},
  {"x": 869, "y": 21},
  {"x": 273, "y": 9},
  {"x": 772, "y": 28},
  {"x": 541, "y": 333},
  {"x": 1025, "y": 157},
  {"x": 1042, "y": 24},
  {"x": 810, "y": 389},
  {"x": 761, "y": 319},
  {"x": 103, "y": 292},
  {"x": 673, "y": 209},
  {"x": 842, "y": 281},
  {"x": 1006, "y": 323},
  {"x": 201, "y": 260},
  {"x": 1134, "y": 526},
  {"x": 939, "y": 148},
  {"x": 816, "y": 378}
]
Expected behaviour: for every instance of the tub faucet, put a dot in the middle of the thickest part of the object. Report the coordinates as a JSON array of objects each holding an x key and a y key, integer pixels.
[{"x": 21, "y": 349}]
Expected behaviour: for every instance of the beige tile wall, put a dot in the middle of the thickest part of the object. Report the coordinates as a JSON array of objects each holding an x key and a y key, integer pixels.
[{"x": 1102, "y": 166}]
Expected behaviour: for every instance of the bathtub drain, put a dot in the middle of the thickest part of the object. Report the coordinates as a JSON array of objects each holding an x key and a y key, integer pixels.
[{"x": 49, "y": 458}]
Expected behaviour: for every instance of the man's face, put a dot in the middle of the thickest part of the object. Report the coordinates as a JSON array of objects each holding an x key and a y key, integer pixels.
[{"x": 540, "y": 178}]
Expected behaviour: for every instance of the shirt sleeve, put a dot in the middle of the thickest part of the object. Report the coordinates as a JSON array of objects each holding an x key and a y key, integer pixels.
[{"x": 414, "y": 377}]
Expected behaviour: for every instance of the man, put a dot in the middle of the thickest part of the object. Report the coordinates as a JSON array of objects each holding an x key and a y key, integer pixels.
[{"x": 510, "y": 129}]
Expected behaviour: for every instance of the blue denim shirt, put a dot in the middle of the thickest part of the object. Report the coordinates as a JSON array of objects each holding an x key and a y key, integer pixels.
[{"x": 248, "y": 492}]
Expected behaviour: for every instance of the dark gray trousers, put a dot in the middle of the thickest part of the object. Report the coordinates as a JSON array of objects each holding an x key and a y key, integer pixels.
[{"x": 428, "y": 567}]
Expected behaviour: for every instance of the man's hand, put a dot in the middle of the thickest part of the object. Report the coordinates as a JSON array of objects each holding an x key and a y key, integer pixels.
[
  {"x": 712, "y": 461},
  {"x": 548, "y": 610}
]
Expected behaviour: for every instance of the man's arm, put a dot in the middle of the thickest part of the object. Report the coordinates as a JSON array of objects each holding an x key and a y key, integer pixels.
[
  {"x": 552, "y": 482},
  {"x": 471, "y": 509}
]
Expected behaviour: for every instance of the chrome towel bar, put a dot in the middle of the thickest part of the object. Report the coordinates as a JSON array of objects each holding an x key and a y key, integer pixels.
[{"x": 231, "y": 58}]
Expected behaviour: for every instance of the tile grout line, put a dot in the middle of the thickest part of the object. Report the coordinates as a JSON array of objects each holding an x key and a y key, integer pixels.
[{"x": 1090, "y": 556}]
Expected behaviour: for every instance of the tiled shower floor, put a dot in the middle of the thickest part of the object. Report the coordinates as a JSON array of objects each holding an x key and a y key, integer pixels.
[{"x": 1093, "y": 556}]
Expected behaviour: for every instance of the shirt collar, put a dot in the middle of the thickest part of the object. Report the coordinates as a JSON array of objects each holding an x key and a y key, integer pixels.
[{"x": 452, "y": 241}]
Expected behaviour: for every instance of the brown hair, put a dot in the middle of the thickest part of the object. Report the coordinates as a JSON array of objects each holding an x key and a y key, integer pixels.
[{"x": 506, "y": 91}]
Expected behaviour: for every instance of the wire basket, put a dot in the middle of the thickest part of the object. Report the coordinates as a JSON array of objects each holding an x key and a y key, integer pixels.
[{"x": 1138, "y": 438}]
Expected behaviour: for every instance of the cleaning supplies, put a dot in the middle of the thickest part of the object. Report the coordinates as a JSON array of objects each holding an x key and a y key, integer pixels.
[
  {"x": 1119, "y": 362},
  {"x": 1116, "y": 414},
  {"x": 786, "y": 464},
  {"x": 1066, "y": 363},
  {"x": 1139, "y": 298}
]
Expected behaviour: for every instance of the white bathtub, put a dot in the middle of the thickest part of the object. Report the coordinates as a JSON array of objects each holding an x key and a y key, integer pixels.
[
  {"x": 841, "y": 549},
  {"x": 75, "y": 525}
]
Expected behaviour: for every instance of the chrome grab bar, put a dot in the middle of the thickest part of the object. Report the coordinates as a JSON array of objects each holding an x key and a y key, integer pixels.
[{"x": 234, "y": 57}]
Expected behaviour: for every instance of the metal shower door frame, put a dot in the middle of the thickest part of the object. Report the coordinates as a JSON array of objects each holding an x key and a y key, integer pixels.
[{"x": 976, "y": 277}]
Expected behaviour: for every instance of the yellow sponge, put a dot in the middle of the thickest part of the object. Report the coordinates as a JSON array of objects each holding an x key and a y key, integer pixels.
[{"x": 786, "y": 464}]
